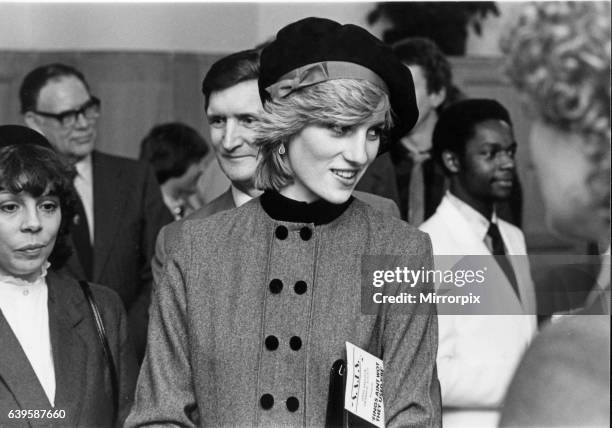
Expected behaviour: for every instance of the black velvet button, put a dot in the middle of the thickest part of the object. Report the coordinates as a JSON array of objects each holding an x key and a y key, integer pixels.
[
  {"x": 276, "y": 285},
  {"x": 293, "y": 404},
  {"x": 266, "y": 401},
  {"x": 295, "y": 343},
  {"x": 300, "y": 287},
  {"x": 281, "y": 232},
  {"x": 305, "y": 233},
  {"x": 271, "y": 343}
]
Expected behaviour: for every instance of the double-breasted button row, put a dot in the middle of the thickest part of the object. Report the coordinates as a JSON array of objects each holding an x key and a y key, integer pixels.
[
  {"x": 276, "y": 286},
  {"x": 305, "y": 233},
  {"x": 300, "y": 287},
  {"x": 271, "y": 342},
  {"x": 295, "y": 343},
  {"x": 282, "y": 232},
  {"x": 267, "y": 402}
]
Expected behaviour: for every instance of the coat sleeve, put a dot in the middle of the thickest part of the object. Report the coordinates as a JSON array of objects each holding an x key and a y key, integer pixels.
[
  {"x": 159, "y": 257},
  {"x": 165, "y": 393},
  {"x": 393, "y": 209},
  {"x": 154, "y": 216},
  {"x": 411, "y": 388}
]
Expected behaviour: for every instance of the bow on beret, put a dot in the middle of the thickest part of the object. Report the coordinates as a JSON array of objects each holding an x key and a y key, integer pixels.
[
  {"x": 11, "y": 135},
  {"x": 312, "y": 74},
  {"x": 314, "y": 50}
]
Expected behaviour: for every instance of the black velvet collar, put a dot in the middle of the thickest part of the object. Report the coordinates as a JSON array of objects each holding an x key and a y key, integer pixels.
[{"x": 319, "y": 212}]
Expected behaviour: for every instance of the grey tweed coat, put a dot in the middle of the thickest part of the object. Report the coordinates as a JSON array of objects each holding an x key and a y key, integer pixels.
[{"x": 228, "y": 309}]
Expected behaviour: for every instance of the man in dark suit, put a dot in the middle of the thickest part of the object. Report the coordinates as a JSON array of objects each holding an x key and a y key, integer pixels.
[
  {"x": 120, "y": 208},
  {"x": 232, "y": 106},
  {"x": 407, "y": 173}
]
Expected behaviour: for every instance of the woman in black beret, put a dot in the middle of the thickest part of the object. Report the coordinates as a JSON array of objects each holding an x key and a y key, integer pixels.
[
  {"x": 257, "y": 303},
  {"x": 53, "y": 369}
]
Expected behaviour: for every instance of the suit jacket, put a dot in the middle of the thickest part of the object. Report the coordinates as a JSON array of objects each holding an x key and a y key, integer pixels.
[
  {"x": 170, "y": 233},
  {"x": 83, "y": 387},
  {"x": 206, "y": 362},
  {"x": 128, "y": 213},
  {"x": 477, "y": 354}
]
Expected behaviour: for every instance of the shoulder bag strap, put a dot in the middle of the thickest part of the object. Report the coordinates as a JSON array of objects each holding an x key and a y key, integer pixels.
[{"x": 102, "y": 338}]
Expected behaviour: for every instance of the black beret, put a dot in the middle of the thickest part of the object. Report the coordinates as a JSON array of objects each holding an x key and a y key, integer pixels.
[
  {"x": 16, "y": 134},
  {"x": 317, "y": 40}
]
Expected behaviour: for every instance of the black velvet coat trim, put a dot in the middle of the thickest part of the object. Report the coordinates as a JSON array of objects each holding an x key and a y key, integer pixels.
[{"x": 319, "y": 212}]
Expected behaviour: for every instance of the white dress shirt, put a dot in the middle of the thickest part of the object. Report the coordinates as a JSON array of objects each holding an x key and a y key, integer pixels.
[
  {"x": 478, "y": 354},
  {"x": 83, "y": 183},
  {"x": 24, "y": 306},
  {"x": 479, "y": 223},
  {"x": 240, "y": 198}
]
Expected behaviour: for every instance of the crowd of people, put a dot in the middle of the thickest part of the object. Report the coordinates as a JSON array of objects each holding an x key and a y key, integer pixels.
[{"x": 126, "y": 302}]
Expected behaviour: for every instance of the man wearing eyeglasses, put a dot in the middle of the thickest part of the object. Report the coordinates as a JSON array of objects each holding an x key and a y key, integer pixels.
[{"x": 120, "y": 210}]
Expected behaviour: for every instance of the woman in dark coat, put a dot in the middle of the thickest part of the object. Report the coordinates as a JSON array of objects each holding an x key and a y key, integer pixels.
[
  {"x": 257, "y": 303},
  {"x": 52, "y": 366}
]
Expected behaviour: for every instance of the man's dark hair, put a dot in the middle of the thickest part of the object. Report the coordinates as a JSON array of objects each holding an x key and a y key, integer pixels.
[
  {"x": 231, "y": 70},
  {"x": 171, "y": 148},
  {"x": 425, "y": 53},
  {"x": 36, "y": 79},
  {"x": 39, "y": 170},
  {"x": 457, "y": 124}
]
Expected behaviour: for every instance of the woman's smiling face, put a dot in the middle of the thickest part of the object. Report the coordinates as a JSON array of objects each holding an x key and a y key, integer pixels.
[{"x": 328, "y": 161}]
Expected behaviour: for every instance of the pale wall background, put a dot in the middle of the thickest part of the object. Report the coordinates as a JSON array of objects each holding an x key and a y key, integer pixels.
[
  {"x": 186, "y": 27},
  {"x": 146, "y": 62}
]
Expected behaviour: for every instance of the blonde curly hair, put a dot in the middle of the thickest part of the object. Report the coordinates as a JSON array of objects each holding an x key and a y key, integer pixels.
[{"x": 558, "y": 57}]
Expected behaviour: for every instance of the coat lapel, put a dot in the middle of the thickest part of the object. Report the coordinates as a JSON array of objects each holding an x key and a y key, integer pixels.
[
  {"x": 226, "y": 201},
  {"x": 73, "y": 265},
  {"x": 466, "y": 244},
  {"x": 69, "y": 349},
  {"x": 108, "y": 197},
  {"x": 17, "y": 373}
]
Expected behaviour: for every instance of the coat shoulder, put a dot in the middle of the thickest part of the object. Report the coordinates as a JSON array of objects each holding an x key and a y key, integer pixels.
[
  {"x": 379, "y": 202},
  {"x": 171, "y": 232},
  {"x": 68, "y": 288},
  {"x": 393, "y": 230}
]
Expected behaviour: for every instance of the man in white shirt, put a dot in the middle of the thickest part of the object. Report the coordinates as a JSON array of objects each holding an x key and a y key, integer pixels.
[{"x": 477, "y": 354}]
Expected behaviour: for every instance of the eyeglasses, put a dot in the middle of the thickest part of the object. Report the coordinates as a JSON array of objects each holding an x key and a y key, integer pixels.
[{"x": 90, "y": 111}]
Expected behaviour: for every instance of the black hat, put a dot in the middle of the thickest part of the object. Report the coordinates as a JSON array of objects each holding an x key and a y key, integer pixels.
[
  {"x": 11, "y": 135},
  {"x": 313, "y": 50}
]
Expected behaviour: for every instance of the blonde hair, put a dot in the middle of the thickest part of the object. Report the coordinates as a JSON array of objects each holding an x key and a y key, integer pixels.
[
  {"x": 558, "y": 57},
  {"x": 340, "y": 102}
]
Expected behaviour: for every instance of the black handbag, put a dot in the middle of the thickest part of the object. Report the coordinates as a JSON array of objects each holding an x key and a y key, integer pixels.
[{"x": 108, "y": 356}]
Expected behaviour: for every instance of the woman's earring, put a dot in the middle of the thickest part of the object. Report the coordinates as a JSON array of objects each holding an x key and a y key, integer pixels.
[{"x": 281, "y": 149}]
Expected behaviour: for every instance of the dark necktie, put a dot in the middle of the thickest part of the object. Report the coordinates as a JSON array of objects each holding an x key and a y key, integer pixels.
[
  {"x": 81, "y": 240},
  {"x": 500, "y": 256}
]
